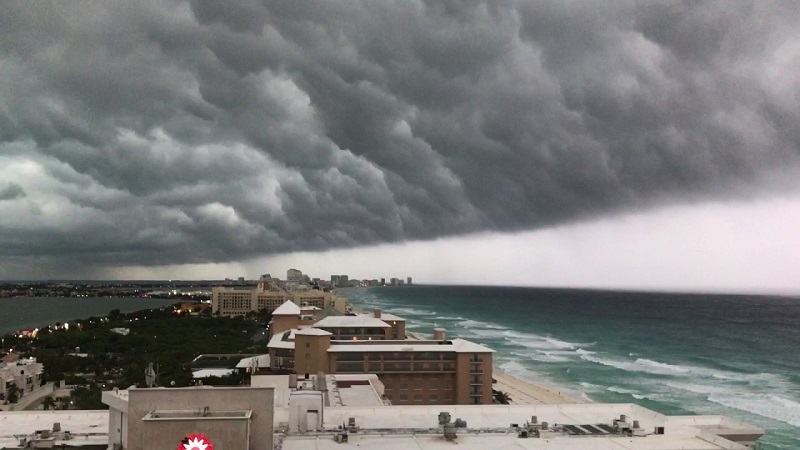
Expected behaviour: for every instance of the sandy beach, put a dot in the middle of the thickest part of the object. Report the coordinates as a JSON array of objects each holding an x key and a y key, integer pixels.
[{"x": 521, "y": 392}]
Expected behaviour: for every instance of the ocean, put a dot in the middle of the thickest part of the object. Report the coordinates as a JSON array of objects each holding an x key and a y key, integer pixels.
[
  {"x": 26, "y": 312},
  {"x": 735, "y": 355}
]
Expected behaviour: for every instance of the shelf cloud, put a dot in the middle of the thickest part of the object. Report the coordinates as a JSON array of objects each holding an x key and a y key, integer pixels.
[{"x": 158, "y": 133}]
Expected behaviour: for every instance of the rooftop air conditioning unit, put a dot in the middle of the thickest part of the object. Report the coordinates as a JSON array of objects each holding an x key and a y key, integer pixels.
[{"x": 450, "y": 432}]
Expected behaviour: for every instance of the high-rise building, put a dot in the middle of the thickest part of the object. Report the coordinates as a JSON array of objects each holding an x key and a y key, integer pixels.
[
  {"x": 294, "y": 276},
  {"x": 408, "y": 281}
]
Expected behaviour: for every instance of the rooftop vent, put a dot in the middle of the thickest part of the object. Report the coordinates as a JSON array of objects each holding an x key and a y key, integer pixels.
[{"x": 450, "y": 431}]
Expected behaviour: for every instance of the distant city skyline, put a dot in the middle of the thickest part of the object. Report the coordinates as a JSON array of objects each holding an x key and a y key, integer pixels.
[{"x": 636, "y": 145}]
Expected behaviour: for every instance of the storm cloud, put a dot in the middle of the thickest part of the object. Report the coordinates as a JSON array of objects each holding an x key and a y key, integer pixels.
[{"x": 153, "y": 133}]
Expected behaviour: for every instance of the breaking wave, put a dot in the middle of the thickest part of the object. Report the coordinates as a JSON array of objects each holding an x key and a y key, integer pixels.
[{"x": 766, "y": 405}]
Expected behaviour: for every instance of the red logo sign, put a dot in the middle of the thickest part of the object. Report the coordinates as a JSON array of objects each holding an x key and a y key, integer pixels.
[{"x": 195, "y": 442}]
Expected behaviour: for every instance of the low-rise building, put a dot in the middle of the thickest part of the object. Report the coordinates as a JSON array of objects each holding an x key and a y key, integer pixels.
[
  {"x": 162, "y": 418},
  {"x": 19, "y": 378},
  {"x": 319, "y": 413}
]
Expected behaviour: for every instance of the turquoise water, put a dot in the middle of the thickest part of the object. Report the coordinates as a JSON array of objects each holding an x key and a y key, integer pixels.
[
  {"x": 25, "y": 312},
  {"x": 674, "y": 353}
]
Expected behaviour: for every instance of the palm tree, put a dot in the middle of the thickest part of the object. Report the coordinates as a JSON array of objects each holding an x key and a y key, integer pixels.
[{"x": 501, "y": 397}]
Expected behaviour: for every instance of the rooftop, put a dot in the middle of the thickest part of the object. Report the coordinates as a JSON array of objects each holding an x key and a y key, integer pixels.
[
  {"x": 456, "y": 345},
  {"x": 253, "y": 361},
  {"x": 85, "y": 427},
  {"x": 362, "y": 321},
  {"x": 288, "y": 308},
  {"x": 205, "y": 373},
  {"x": 343, "y": 389},
  {"x": 490, "y": 427},
  {"x": 384, "y": 316},
  {"x": 311, "y": 332}
]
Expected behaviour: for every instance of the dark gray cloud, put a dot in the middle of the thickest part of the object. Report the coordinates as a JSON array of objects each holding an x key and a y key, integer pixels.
[
  {"x": 11, "y": 191},
  {"x": 171, "y": 132}
]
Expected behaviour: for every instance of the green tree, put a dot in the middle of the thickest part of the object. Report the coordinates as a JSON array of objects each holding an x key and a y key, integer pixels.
[
  {"x": 48, "y": 402},
  {"x": 12, "y": 395}
]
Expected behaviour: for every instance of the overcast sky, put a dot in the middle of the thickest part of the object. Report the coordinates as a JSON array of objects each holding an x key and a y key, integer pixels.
[{"x": 636, "y": 145}]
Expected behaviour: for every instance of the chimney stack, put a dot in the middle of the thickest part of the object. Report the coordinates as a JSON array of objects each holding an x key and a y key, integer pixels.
[
  {"x": 438, "y": 334},
  {"x": 377, "y": 313}
]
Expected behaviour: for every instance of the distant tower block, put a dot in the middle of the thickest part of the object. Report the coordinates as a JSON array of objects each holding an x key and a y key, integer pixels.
[{"x": 408, "y": 280}]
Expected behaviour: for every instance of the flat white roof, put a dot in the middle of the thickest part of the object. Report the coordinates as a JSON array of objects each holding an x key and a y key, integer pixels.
[
  {"x": 363, "y": 321},
  {"x": 288, "y": 308},
  {"x": 311, "y": 332},
  {"x": 87, "y": 427},
  {"x": 205, "y": 373},
  {"x": 488, "y": 427},
  {"x": 338, "y": 394},
  {"x": 257, "y": 361},
  {"x": 384, "y": 316},
  {"x": 277, "y": 340},
  {"x": 456, "y": 345}
]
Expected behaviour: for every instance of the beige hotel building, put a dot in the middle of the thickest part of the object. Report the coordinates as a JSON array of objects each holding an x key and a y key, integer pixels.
[
  {"x": 231, "y": 301},
  {"x": 421, "y": 372}
]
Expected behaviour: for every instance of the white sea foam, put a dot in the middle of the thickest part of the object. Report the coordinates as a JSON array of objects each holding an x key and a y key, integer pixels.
[
  {"x": 483, "y": 333},
  {"x": 633, "y": 393},
  {"x": 697, "y": 388},
  {"x": 766, "y": 405},
  {"x": 650, "y": 366},
  {"x": 471, "y": 324},
  {"x": 452, "y": 318},
  {"x": 410, "y": 312},
  {"x": 638, "y": 365},
  {"x": 555, "y": 356},
  {"x": 539, "y": 342}
]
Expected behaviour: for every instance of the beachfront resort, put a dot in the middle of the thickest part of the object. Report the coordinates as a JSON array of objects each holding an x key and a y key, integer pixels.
[{"x": 333, "y": 378}]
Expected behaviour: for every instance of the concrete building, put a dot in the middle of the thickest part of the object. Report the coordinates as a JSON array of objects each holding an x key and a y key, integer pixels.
[
  {"x": 232, "y": 301},
  {"x": 408, "y": 281},
  {"x": 377, "y": 325},
  {"x": 159, "y": 418},
  {"x": 412, "y": 371},
  {"x": 19, "y": 378},
  {"x": 294, "y": 276},
  {"x": 520, "y": 427},
  {"x": 337, "y": 412}
]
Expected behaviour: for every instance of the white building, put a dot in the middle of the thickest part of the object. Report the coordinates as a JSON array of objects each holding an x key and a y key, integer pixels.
[
  {"x": 327, "y": 413},
  {"x": 19, "y": 378}
]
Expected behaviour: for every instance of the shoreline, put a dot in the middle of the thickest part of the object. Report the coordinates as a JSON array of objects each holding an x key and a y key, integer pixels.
[{"x": 521, "y": 391}]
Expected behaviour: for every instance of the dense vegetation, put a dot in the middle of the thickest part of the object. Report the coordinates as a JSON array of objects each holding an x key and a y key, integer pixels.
[{"x": 93, "y": 358}]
